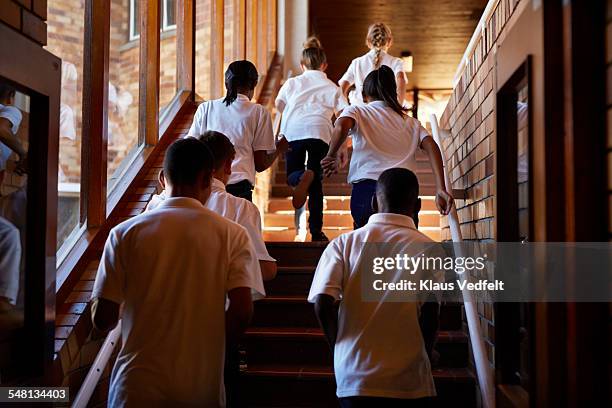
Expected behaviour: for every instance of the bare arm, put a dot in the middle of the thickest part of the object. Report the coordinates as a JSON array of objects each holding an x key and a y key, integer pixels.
[
  {"x": 268, "y": 270},
  {"x": 345, "y": 86},
  {"x": 263, "y": 159},
  {"x": 339, "y": 136},
  {"x": 444, "y": 200},
  {"x": 239, "y": 313},
  {"x": 401, "y": 87},
  {"x": 11, "y": 140},
  {"x": 104, "y": 314},
  {"x": 327, "y": 315}
]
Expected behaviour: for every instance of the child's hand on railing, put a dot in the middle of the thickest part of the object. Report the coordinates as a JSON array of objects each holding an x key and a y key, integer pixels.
[
  {"x": 444, "y": 201},
  {"x": 329, "y": 165}
]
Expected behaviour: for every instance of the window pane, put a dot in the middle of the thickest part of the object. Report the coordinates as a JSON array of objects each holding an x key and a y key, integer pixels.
[
  {"x": 167, "y": 79},
  {"x": 202, "y": 38},
  {"x": 122, "y": 93},
  {"x": 65, "y": 20},
  {"x": 134, "y": 20},
  {"x": 170, "y": 10}
]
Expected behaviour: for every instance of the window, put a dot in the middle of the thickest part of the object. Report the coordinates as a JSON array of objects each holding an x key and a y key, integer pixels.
[
  {"x": 65, "y": 39},
  {"x": 168, "y": 17},
  {"x": 203, "y": 45},
  {"x": 167, "y": 49},
  {"x": 123, "y": 82}
]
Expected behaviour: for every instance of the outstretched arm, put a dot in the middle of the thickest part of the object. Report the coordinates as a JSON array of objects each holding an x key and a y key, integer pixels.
[
  {"x": 345, "y": 86},
  {"x": 11, "y": 140},
  {"x": 330, "y": 162},
  {"x": 401, "y": 87},
  {"x": 444, "y": 200}
]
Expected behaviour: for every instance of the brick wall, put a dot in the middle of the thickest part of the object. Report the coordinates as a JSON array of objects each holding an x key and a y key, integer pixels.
[
  {"x": 26, "y": 16},
  {"x": 470, "y": 115}
]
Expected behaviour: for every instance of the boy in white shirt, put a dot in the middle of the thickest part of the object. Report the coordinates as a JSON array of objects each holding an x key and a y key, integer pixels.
[
  {"x": 379, "y": 39},
  {"x": 248, "y": 126},
  {"x": 10, "y": 119},
  {"x": 172, "y": 281},
  {"x": 383, "y": 137},
  {"x": 309, "y": 103},
  {"x": 234, "y": 208},
  {"x": 380, "y": 355}
]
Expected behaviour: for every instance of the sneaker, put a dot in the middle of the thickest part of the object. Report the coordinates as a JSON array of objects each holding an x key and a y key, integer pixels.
[
  {"x": 300, "y": 192},
  {"x": 319, "y": 237}
]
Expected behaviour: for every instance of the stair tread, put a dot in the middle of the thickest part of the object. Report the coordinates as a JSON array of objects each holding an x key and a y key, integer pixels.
[
  {"x": 444, "y": 336},
  {"x": 322, "y": 371}
]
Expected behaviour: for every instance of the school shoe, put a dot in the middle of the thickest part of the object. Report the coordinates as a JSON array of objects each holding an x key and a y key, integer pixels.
[
  {"x": 319, "y": 237},
  {"x": 300, "y": 192}
]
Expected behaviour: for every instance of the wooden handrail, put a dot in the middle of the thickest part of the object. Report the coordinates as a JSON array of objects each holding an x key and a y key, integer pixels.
[
  {"x": 97, "y": 368},
  {"x": 484, "y": 372}
]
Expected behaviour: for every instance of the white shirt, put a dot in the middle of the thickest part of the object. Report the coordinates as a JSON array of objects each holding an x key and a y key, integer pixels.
[
  {"x": 233, "y": 208},
  {"x": 310, "y": 102},
  {"x": 382, "y": 139},
  {"x": 246, "y": 124},
  {"x": 379, "y": 348},
  {"x": 10, "y": 260},
  {"x": 172, "y": 280},
  {"x": 13, "y": 115},
  {"x": 360, "y": 68}
]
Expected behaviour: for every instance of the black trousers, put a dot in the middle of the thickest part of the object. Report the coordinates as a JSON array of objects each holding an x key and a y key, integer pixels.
[
  {"x": 295, "y": 158},
  {"x": 380, "y": 402},
  {"x": 242, "y": 189}
]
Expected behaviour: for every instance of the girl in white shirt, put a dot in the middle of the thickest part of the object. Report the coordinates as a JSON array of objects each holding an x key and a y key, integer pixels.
[
  {"x": 248, "y": 125},
  {"x": 384, "y": 137},
  {"x": 378, "y": 40},
  {"x": 309, "y": 102}
]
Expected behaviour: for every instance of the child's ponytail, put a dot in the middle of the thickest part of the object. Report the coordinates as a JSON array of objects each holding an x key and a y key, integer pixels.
[
  {"x": 313, "y": 56},
  {"x": 380, "y": 85},
  {"x": 239, "y": 76},
  {"x": 379, "y": 39}
]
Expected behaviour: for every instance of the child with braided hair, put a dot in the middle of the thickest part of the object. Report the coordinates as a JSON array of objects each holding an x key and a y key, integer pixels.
[{"x": 378, "y": 40}]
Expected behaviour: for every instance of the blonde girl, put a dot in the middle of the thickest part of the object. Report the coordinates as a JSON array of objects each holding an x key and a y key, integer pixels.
[{"x": 378, "y": 40}]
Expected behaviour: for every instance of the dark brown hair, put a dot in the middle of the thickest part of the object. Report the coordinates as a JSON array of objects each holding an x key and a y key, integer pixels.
[
  {"x": 239, "y": 75},
  {"x": 380, "y": 85},
  {"x": 313, "y": 56},
  {"x": 219, "y": 145}
]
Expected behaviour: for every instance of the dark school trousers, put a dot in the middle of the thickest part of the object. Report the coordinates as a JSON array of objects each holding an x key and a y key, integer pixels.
[
  {"x": 295, "y": 158},
  {"x": 361, "y": 201},
  {"x": 242, "y": 189}
]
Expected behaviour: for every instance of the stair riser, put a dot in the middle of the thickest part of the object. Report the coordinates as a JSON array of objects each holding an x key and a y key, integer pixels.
[
  {"x": 340, "y": 220},
  {"x": 303, "y": 351},
  {"x": 294, "y": 392},
  {"x": 293, "y": 284},
  {"x": 287, "y": 256},
  {"x": 293, "y": 314},
  {"x": 280, "y": 190},
  {"x": 283, "y": 204},
  {"x": 298, "y": 351},
  {"x": 289, "y": 234}
]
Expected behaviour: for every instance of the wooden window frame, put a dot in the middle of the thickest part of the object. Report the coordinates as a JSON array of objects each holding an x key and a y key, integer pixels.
[{"x": 96, "y": 205}]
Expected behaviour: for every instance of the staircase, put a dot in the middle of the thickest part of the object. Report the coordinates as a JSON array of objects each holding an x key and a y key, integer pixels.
[
  {"x": 279, "y": 217},
  {"x": 289, "y": 363}
]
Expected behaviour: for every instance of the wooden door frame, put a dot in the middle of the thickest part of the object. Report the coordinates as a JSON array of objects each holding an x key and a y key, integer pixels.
[{"x": 38, "y": 73}]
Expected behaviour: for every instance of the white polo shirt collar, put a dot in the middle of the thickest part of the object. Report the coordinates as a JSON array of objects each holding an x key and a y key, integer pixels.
[
  {"x": 218, "y": 184},
  {"x": 392, "y": 219},
  {"x": 242, "y": 97},
  {"x": 382, "y": 104},
  {"x": 181, "y": 202}
]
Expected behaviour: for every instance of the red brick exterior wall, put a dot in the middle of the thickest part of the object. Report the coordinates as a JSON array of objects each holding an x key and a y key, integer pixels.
[{"x": 26, "y": 16}]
